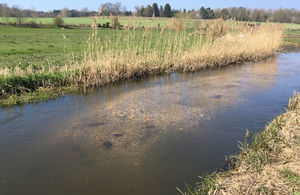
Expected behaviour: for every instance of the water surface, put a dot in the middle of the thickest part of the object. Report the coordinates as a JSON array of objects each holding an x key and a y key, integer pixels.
[{"x": 143, "y": 137}]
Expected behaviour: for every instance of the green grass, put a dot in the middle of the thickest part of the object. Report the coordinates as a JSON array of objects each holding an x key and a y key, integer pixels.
[
  {"x": 38, "y": 95},
  {"x": 292, "y": 36},
  {"x": 292, "y": 179},
  {"x": 37, "y": 47},
  {"x": 44, "y": 47},
  {"x": 292, "y": 26},
  {"x": 104, "y": 19},
  {"x": 101, "y": 20}
]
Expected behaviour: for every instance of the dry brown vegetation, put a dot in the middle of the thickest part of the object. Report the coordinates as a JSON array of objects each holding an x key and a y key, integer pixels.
[
  {"x": 131, "y": 53},
  {"x": 270, "y": 165}
]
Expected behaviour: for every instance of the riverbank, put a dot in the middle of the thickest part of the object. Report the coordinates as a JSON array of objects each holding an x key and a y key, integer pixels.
[
  {"x": 269, "y": 165},
  {"x": 292, "y": 37},
  {"x": 130, "y": 53}
]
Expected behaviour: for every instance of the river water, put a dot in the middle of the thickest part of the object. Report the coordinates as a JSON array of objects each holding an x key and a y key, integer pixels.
[{"x": 141, "y": 137}]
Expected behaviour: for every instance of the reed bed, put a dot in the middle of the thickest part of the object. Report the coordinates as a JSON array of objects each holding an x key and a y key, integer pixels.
[{"x": 129, "y": 53}]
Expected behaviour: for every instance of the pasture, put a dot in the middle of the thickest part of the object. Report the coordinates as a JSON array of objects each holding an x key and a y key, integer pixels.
[{"x": 135, "y": 21}]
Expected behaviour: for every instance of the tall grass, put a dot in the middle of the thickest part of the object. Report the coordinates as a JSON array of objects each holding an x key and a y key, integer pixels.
[{"x": 131, "y": 53}]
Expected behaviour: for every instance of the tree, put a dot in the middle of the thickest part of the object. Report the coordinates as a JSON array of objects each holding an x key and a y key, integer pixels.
[
  {"x": 117, "y": 8},
  {"x": 224, "y": 13},
  {"x": 142, "y": 11},
  {"x": 65, "y": 13},
  {"x": 203, "y": 13},
  {"x": 167, "y": 11},
  {"x": 107, "y": 8},
  {"x": 58, "y": 21},
  {"x": 75, "y": 13},
  {"x": 148, "y": 11},
  {"x": 5, "y": 13},
  {"x": 155, "y": 10},
  {"x": 18, "y": 14},
  {"x": 210, "y": 12},
  {"x": 137, "y": 9},
  {"x": 255, "y": 15},
  {"x": 128, "y": 13},
  {"x": 161, "y": 11},
  {"x": 217, "y": 13},
  {"x": 33, "y": 14},
  {"x": 124, "y": 9},
  {"x": 84, "y": 12}
]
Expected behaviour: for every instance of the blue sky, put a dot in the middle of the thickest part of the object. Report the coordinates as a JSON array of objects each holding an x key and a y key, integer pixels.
[{"x": 187, "y": 4}]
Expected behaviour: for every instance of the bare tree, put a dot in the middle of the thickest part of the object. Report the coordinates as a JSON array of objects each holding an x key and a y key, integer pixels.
[
  {"x": 107, "y": 8},
  {"x": 84, "y": 12},
  {"x": 137, "y": 9},
  {"x": 5, "y": 13},
  {"x": 117, "y": 8},
  {"x": 17, "y": 13},
  {"x": 33, "y": 14},
  {"x": 123, "y": 8},
  {"x": 64, "y": 12}
]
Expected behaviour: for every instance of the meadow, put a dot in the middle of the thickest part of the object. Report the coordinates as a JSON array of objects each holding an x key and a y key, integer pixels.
[
  {"x": 136, "y": 21},
  {"x": 45, "y": 59}
]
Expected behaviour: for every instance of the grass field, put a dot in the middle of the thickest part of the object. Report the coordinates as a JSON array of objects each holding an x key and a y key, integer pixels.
[
  {"x": 44, "y": 47},
  {"x": 38, "y": 46},
  {"x": 292, "y": 37},
  {"x": 136, "y": 21}
]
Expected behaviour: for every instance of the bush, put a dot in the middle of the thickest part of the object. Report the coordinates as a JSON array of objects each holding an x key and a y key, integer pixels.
[
  {"x": 58, "y": 21},
  {"x": 115, "y": 22},
  {"x": 33, "y": 24}
]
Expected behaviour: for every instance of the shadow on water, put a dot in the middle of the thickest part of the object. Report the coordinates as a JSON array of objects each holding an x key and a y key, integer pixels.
[{"x": 142, "y": 137}]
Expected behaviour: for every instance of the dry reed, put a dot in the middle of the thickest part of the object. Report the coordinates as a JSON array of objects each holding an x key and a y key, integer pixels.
[{"x": 133, "y": 54}]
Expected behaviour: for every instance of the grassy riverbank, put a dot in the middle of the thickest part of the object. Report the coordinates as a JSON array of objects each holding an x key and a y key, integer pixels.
[
  {"x": 112, "y": 55},
  {"x": 269, "y": 165},
  {"x": 292, "y": 37}
]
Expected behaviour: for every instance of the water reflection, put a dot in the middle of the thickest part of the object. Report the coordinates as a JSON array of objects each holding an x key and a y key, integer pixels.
[
  {"x": 125, "y": 122},
  {"x": 143, "y": 137}
]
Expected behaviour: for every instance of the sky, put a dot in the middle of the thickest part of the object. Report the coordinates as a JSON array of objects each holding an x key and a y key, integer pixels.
[{"x": 187, "y": 4}]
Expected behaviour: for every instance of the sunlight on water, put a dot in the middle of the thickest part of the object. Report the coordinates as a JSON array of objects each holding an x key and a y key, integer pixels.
[{"x": 142, "y": 137}]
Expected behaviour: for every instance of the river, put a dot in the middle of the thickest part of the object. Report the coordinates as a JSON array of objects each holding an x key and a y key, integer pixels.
[{"x": 142, "y": 137}]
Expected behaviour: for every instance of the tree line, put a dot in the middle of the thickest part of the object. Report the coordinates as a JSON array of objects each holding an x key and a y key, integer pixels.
[{"x": 239, "y": 13}]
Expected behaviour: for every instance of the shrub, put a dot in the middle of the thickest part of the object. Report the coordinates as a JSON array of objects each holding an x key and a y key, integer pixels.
[
  {"x": 58, "y": 21},
  {"x": 115, "y": 22},
  {"x": 33, "y": 24}
]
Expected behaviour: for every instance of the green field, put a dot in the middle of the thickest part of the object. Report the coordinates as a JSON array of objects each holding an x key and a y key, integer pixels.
[
  {"x": 101, "y": 20},
  {"x": 138, "y": 21},
  {"x": 38, "y": 46},
  {"x": 44, "y": 47}
]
